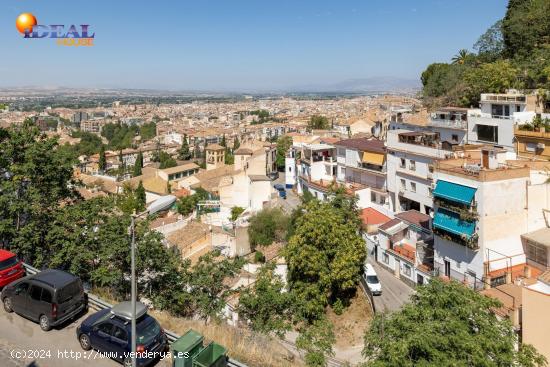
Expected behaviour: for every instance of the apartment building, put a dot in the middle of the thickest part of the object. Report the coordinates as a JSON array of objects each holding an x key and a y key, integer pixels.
[
  {"x": 451, "y": 123},
  {"x": 483, "y": 204},
  {"x": 533, "y": 144},
  {"x": 362, "y": 161},
  {"x": 499, "y": 114},
  {"x": 316, "y": 169},
  {"x": 404, "y": 246},
  {"x": 410, "y": 168}
]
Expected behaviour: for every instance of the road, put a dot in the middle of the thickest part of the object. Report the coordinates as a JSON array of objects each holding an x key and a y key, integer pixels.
[
  {"x": 50, "y": 349},
  {"x": 292, "y": 199},
  {"x": 395, "y": 293}
]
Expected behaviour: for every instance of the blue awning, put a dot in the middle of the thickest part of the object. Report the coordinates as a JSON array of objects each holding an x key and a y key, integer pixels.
[
  {"x": 455, "y": 192},
  {"x": 451, "y": 222}
]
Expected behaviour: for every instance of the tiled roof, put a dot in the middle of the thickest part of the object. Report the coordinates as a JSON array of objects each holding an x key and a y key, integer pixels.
[
  {"x": 214, "y": 147},
  {"x": 371, "y": 216},
  {"x": 390, "y": 224},
  {"x": 415, "y": 217}
]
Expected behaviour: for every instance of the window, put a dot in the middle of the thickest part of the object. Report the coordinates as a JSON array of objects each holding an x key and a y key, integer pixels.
[
  {"x": 402, "y": 165},
  {"x": 36, "y": 291},
  {"x": 386, "y": 258},
  {"x": 530, "y": 147},
  {"x": 454, "y": 137},
  {"x": 289, "y": 169},
  {"x": 518, "y": 108},
  {"x": 500, "y": 110},
  {"x": 21, "y": 288},
  {"x": 106, "y": 328},
  {"x": 46, "y": 296},
  {"x": 372, "y": 197},
  {"x": 412, "y": 165},
  {"x": 119, "y": 333},
  {"x": 407, "y": 270},
  {"x": 413, "y": 187},
  {"x": 537, "y": 253},
  {"x": 403, "y": 184},
  {"x": 487, "y": 133},
  {"x": 8, "y": 263}
]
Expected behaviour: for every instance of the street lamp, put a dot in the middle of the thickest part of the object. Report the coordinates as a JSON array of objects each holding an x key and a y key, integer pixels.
[{"x": 162, "y": 203}]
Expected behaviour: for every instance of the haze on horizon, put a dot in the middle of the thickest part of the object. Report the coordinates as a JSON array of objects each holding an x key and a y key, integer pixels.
[{"x": 240, "y": 45}]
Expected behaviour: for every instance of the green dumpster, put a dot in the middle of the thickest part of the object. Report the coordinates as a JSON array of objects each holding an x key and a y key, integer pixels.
[
  {"x": 214, "y": 355},
  {"x": 186, "y": 348}
]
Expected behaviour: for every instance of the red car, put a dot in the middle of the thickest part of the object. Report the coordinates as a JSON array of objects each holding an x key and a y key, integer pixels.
[{"x": 11, "y": 268}]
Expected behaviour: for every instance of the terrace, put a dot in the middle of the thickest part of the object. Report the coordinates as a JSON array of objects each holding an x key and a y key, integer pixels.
[{"x": 473, "y": 169}]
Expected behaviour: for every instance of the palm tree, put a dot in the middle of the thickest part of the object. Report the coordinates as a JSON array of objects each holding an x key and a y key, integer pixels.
[{"x": 460, "y": 57}]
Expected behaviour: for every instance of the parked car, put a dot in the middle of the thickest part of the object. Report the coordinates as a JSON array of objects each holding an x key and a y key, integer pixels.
[
  {"x": 372, "y": 280},
  {"x": 11, "y": 268},
  {"x": 50, "y": 297},
  {"x": 109, "y": 331},
  {"x": 281, "y": 190}
]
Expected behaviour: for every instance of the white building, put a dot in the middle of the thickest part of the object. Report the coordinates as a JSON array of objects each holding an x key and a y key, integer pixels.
[
  {"x": 316, "y": 169},
  {"x": 497, "y": 116}
]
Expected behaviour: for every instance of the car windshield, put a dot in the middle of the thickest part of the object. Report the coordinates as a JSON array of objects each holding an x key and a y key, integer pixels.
[
  {"x": 372, "y": 279},
  {"x": 147, "y": 330},
  {"x": 8, "y": 263}
]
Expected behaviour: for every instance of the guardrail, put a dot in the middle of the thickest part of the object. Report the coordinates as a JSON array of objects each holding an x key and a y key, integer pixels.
[{"x": 98, "y": 304}]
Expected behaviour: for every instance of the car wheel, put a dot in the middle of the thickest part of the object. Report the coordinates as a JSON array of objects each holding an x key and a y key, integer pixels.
[
  {"x": 128, "y": 362},
  {"x": 85, "y": 342},
  {"x": 44, "y": 323},
  {"x": 7, "y": 305}
]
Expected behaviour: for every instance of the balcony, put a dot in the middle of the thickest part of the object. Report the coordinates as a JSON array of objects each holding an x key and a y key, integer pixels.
[
  {"x": 451, "y": 124},
  {"x": 450, "y": 226},
  {"x": 505, "y": 98}
]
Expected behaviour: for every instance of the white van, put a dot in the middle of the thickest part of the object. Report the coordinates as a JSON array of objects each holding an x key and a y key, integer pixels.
[{"x": 372, "y": 280}]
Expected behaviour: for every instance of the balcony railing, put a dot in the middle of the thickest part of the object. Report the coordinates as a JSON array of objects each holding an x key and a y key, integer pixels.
[
  {"x": 469, "y": 242},
  {"x": 502, "y": 98},
  {"x": 453, "y": 124}
]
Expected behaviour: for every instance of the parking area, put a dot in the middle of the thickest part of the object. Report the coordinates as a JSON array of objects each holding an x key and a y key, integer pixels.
[
  {"x": 23, "y": 343},
  {"x": 292, "y": 199}
]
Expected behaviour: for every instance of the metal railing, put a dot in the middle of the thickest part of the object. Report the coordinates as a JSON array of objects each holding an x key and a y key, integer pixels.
[{"x": 98, "y": 304}]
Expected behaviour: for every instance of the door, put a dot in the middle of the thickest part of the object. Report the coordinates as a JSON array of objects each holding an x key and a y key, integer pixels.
[
  {"x": 101, "y": 337},
  {"x": 35, "y": 306},
  {"x": 20, "y": 296},
  {"x": 119, "y": 342},
  {"x": 447, "y": 268},
  {"x": 419, "y": 279},
  {"x": 397, "y": 268},
  {"x": 485, "y": 157}
]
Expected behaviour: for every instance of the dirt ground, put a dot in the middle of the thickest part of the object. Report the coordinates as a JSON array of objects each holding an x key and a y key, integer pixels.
[{"x": 350, "y": 327}]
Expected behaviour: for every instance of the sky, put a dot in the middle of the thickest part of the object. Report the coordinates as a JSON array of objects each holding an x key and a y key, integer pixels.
[{"x": 238, "y": 44}]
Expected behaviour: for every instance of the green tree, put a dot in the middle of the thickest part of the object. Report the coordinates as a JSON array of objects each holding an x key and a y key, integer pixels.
[
  {"x": 36, "y": 178},
  {"x": 317, "y": 122},
  {"x": 316, "y": 339},
  {"x": 493, "y": 77},
  {"x": 102, "y": 160},
  {"x": 223, "y": 143},
  {"x": 526, "y": 27},
  {"x": 461, "y": 57},
  {"x": 267, "y": 305},
  {"x": 235, "y": 212},
  {"x": 138, "y": 165},
  {"x": 325, "y": 257},
  {"x": 184, "y": 153},
  {"x": 267, "y": 226},
  {"x": 148, "y": 131},
  {"x": 236, "y": 143},
  {"x": 206, "y": 283},
  {"x": 140, "y": 197},
  {"x": 283, "y": 145},
  {"x": 490, "y": 45},
  {"x": 446, "y": 324}
]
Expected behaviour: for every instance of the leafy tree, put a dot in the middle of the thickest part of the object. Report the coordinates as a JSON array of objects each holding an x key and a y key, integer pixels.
[
  {"x": 283, "y": 145},
  {"x": 148, "y": 131},
  {"x": 317, "y": 122},
  {"x": 35, "y": 178},
  {"x": 129, "y": 201},
  {"x": 235, "y": 212},
  {"x": 166, "y": 161},
  {"x": 446, "y": 324},
  {"x": 184, "y": 153},
  {"x": 267, "y": 226},
  {"x": 138, "y": 165},
  {"x": 489, "y": 78},
  {"x": 267, "y": 305},
  {"x": 526, "y": 26},
  {"x": 316, "y": 339},
  {"x": 102, "y": 159},
  {"x": 140, "y": 197},
  {"x": 325, "y": 257},
  {"x": 206, "y": 282},
  {"x": 223, "y": 143},
  {"x": 490, "y": 45}
]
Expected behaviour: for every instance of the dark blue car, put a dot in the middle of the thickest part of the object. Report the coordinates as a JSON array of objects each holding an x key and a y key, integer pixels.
[{"x": 109, "y": 331}]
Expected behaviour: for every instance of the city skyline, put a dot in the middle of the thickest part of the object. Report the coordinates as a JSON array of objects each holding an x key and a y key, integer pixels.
[{"x": 242, "y": 46}]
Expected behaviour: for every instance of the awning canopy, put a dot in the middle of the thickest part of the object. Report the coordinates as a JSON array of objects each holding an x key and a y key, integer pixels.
[
  {"x": 451, "y": 222},
  {"x": 373, "y": 158},
  {"x": 454, "y": 192}
]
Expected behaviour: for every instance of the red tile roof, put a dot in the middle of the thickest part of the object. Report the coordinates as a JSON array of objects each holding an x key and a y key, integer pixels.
[
  {"x": 390, "y": 224},
  {"x": 371, "y": 216},
  {"x": 415, "y": 217}
]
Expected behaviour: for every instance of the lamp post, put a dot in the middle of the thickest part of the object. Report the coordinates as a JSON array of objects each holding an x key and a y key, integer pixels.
[{"x": 162, "y": 203}]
